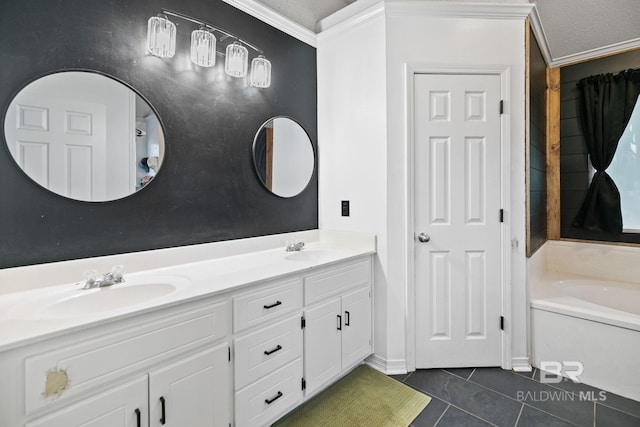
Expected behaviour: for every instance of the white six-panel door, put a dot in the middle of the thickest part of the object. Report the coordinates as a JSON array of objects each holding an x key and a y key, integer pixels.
[
  {"x": 457, "y": 178},
  {"x": 60, "y": 143}
]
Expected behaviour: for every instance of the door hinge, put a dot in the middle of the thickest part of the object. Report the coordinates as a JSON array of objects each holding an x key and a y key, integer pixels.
[
  {"x": 304, "y": 384},
  {"x": 303, "y": 323},
  {"x": 501, "y": 106},
  {"x": 502, "y": 323},
  {"x": 501, "y": 215},
  {"x": 229, "y": 348}
]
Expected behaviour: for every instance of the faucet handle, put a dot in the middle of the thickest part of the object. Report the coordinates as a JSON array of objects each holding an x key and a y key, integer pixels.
[
  {"x": 90, "y": 276},
  {"x": 117, "y": 273}
]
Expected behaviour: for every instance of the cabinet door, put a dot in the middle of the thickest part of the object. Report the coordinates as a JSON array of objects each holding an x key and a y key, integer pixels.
[
  {"x": 194, "y": 391},
  {"x": 322, "y": 336},
  {"x": 122, "y": 406},
  {"x": 356, "y": 331}
]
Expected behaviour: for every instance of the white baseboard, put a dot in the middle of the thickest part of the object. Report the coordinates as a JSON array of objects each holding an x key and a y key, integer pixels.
[
  {"x": 521, "y": 364},
  {"x": 387, "y": 367}
]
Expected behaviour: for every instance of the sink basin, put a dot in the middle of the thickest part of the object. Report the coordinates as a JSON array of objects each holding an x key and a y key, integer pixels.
[
  {"x": 308, "y": 255},
  {"x": 106, "y": 299},
  {"x": 73, "y": 301}
]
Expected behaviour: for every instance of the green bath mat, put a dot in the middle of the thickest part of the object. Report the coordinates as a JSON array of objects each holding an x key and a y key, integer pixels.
[{"x": 365, "y": 397}]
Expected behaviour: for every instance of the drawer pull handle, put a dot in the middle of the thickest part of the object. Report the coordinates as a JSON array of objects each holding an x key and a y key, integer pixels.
[
  {"x": 273, "y": 399},
  {"x": 137, "y": 411},
  {"x": 163, "y": 418},
  {"x": 347, "y": 318},
  {"x": 270, "y": 352},
  {"x": 277, "y": 303},
  {"x": 339, "y": 322}
]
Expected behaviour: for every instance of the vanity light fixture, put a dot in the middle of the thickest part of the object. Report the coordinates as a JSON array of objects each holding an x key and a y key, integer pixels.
[
  {"x": 161, "y": 42},
  {"x": 161, "y": 37},
  {"x": 203, "y": 47},
  {"x": 260, "y": 72},
  {"x": 236, "y": 61}
]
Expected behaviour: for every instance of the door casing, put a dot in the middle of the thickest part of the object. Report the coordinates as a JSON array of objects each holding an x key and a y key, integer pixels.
[{"x": 410, "y": 323}]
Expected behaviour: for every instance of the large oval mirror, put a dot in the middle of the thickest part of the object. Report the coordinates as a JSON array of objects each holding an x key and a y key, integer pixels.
[
  {"x": 283, "y": 156},
  {"x": 84, "y": 135}
]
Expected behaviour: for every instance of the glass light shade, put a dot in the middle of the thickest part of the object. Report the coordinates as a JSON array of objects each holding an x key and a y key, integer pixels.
[
  {"x": 161, "y": 37},
  {"x": 203, "y": 48},
  {"x": 237, "y": 60},
  {"x": 260, "y": 72}
]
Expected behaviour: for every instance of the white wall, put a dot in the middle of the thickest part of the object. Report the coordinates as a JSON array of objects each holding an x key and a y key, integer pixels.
[
  {"x": 352, "y": 135},
  {"x": 371, "y": 167}
]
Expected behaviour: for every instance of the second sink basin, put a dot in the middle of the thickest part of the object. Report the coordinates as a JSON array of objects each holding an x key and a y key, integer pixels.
[
  {"x": 107, "y": 299},
  {"x": 307, "y": 255},
  {"x": 73, "y": 301}
]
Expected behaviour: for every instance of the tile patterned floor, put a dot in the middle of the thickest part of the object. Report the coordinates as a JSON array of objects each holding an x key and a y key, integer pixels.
[{"x": 495, "y": 397}]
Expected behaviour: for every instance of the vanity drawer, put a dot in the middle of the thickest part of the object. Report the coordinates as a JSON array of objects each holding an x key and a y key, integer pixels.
[
  {"x": 266, "y": 350},
  {"x": 90, "y": 361},
  {"x": 334, "y": 280},
  {"x": 269, "y": 302},
  {"x": 270, "y": 398}
]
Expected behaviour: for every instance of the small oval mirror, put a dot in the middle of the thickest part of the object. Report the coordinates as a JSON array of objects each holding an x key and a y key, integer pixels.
[
  {"x": 283, "y": 156},
  {"x": 85, "y": 136}
]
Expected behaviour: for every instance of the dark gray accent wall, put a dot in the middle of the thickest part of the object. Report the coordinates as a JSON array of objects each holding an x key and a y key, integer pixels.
[
  {"x": 574, "y": 158},
  {"x": 537, "y": 148},
  {"x": 207, "y": 190}
]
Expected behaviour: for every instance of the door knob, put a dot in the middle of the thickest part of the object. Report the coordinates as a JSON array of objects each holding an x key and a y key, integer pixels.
[{"x": 423, "y": 237}]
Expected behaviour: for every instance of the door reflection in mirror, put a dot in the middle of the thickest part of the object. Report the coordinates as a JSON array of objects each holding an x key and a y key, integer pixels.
[
  {"x": 283, "y": 156},
  {"x": 84, "y": 135}
]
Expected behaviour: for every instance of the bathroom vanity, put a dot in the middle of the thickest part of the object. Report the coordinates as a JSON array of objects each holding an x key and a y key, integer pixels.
[{"x": 235, "y": 340}]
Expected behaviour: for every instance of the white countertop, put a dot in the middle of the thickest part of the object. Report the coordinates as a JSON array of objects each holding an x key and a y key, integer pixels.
[{"x": 23, "y": 318}]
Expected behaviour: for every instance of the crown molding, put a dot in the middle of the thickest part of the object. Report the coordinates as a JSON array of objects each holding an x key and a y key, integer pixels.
[
  {"x": 478, "y": 10},
  {"x": 600, "y": 52},
  {"x": 353, "y": 20},
  {"x": 541, "y": 36},
  {"x": 276, "y": 20}
]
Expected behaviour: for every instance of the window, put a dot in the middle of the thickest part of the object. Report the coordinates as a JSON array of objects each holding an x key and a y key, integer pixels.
[{"x": 625, "y": 171}]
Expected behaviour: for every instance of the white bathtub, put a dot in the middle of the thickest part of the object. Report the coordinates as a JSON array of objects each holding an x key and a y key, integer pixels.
[{"x": 594, "y": 322}]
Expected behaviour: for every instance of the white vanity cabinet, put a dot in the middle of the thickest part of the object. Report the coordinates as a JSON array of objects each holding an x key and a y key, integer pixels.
[
  {"x": 119, "y": 374},
  {"x": 337, "y": 322},
  {"x": 296, "y": 335},
  {"x": 191, "y": 392},
  {"x": 122, "y": 406},
  {"x": 194, "y": 391},
  {"x": 242, "y": 355},
  {"x": 267, "y": 351}
]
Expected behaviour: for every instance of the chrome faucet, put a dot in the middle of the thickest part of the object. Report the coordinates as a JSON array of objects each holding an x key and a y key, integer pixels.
[
  {"x": 294, "y": 246},
  {"x": 114, "y": 277}
]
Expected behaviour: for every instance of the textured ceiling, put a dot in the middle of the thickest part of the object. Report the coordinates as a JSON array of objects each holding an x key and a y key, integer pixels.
[
  {"x": 576, "y": 26},
  {"x": 306, "y": 12},
  {"x": 571, "y": 27}
]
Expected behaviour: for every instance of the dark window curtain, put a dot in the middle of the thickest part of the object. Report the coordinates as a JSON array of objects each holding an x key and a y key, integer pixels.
[{"x": 606, "y": 107}]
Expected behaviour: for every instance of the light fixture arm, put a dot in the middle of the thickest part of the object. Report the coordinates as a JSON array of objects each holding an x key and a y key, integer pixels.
[{"x": 226, "y": 34}]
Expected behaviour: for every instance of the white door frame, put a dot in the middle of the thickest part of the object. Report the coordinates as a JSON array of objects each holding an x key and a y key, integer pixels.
[{"x": 504, "y": 72}]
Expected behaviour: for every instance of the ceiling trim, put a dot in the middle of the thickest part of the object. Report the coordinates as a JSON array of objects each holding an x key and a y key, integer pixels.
[
  {"x": 541, "y": 36},
  {"x": 276, "y": 20},
  {"x": 458, "y": 9},
  {"x": 596, "y": 53},
  {"x": 354, "y": 20}
]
